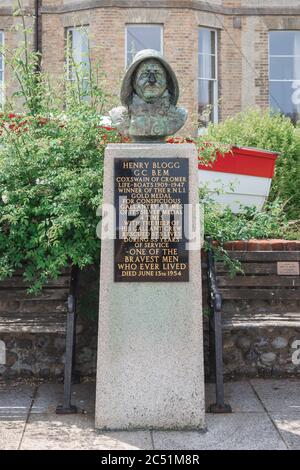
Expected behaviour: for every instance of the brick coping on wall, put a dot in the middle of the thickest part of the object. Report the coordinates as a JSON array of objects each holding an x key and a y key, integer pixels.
[{"x": 263, "y": 245}]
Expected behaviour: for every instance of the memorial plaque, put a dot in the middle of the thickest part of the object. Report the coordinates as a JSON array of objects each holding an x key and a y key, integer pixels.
[
  {"x": 150, "y": 197},
  {"x": 288, "y": 268}
]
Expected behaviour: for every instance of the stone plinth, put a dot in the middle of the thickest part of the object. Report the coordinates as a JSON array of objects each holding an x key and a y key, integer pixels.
[{"x": 150, "y": 353}]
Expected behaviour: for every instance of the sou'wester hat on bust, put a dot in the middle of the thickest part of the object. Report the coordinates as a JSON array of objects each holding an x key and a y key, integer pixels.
[{"x": 127, "y": 89}]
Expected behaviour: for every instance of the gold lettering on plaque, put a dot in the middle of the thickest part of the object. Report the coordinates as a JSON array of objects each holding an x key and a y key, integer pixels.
[{"x": 158, "y": 253}]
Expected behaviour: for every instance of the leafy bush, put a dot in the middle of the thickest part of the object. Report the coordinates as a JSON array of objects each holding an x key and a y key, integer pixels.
[
  {"x": 50, "y": 187},
  {"x": 256, "y": 128},
  {"x": 51, "y": 173},
  {"x": 222, "y": 225}
]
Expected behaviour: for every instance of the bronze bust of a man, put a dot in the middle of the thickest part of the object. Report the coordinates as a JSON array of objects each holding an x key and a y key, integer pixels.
[{"x": 149, "y": 95}]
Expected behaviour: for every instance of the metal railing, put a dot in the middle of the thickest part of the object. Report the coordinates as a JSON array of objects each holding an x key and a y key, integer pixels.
[{"x": 215, "y": 325}]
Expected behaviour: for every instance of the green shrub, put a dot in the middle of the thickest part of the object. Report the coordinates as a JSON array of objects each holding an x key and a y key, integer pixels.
[
  {"x": 51, "y": 173},
  {"x": 50, "y": 187},
  {"x": 222, "y": 225}
]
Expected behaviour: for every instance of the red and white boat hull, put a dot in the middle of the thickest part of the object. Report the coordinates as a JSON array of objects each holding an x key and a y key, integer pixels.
[{"x": 241, "y": 177}]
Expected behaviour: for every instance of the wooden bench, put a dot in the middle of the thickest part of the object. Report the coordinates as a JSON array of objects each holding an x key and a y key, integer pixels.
[
  {"x": 260, "y": 282},
  {"x": 53, "y": 311},
  {"x": 258, "y": 293}
]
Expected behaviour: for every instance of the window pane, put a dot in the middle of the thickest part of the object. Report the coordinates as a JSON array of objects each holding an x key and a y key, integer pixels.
[
  {"x": 1, "y": 71},
  {"x": 285, "y": 97},
  {"x": 206, "y": 101},
  {"x": 206, "y": 41},
  {"x": 142, "y": 37},
  {"x": 206, "y": 65},
  {"x": 1, "y": 46},
  {"x": 78, "y": 45},
  {"x": 85, "y": 90},
  {"x": 84, "y": 46},
  {"x": 284, "y": 68},
  {"x": 284, "y": 42},
  {"x": 207, "y": 76}
]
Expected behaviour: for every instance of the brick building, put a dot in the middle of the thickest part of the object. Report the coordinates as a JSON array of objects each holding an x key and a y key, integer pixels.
[{"x": 229, "y": 54}]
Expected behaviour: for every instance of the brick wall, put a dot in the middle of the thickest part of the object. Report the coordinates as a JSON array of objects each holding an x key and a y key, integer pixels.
[
  {"x": 243, "y": 41},
  {"x": 263, "y": 245}
]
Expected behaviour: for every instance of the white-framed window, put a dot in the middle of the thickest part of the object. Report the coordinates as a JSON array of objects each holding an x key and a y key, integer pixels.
[
  {"x": 1, "y": 70},
  {"x": 78, "y": 63},
  {"x": 142, "y": 36},
  {"x": 284, "y": 73},
  {"x": 207, "y": 76}
]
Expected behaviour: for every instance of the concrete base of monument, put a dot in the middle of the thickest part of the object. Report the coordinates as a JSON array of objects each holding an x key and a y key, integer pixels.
[{"x": 150, "y": 354}]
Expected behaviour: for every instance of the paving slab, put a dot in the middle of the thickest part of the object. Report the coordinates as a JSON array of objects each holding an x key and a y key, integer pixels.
[
  {"x": 288, "y": 424},
  {"x": 245, "y": 431},
  {"x": 248, "y": 427},
  {"x": 279, "y": 395},
  {"x": 239, "y": 395},
  {"x": 15, "y": 399},
  {"x": 51, "y": 395},
  {"x": 77, "y": 432},
  {"x": 11, "y": 431},
  {"x": 15, "y": 402}
]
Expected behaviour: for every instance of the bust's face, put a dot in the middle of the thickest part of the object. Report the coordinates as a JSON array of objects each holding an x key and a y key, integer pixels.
[{"x": 150, "y": 80}]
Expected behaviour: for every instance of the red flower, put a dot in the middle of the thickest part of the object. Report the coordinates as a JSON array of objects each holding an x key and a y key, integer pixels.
[{"x": 107, "y": 128}]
